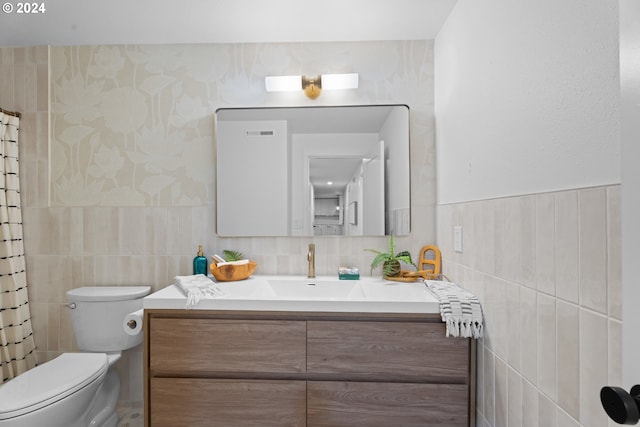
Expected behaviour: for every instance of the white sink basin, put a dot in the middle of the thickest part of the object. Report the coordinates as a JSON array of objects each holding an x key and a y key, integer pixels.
[
  {"x": 295, "y": 293},
  {"x": 302, "y": 289}
]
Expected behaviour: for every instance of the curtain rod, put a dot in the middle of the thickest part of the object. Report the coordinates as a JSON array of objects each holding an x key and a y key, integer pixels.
[{"x": 11, "y": 113}]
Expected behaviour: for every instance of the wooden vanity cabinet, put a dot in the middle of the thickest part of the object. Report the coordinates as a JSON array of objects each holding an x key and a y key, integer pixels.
[{"x": 221, "y": 368}]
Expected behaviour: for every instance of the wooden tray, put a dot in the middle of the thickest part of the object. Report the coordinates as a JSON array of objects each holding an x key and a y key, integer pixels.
[
  {"x": 231, "y": 273},
  {"x": 412, "y": 276}
]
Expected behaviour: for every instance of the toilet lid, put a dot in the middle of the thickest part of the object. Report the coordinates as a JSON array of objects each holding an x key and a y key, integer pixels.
[
  {"x": 50, "y": 382},
  {"x": 108, "y": 293}
]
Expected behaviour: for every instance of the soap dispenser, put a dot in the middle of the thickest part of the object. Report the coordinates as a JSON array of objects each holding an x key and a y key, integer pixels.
[{"x": 200, "y": 263}]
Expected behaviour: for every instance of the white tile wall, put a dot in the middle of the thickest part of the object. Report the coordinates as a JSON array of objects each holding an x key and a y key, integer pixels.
[
  {"x": 551, "y": 298},
  {"x": 567, "y": 255},
  {"x": 592, "y": 219}
]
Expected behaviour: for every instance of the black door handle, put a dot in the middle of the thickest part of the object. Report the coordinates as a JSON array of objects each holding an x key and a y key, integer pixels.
[{"x": 622, "y": 407}]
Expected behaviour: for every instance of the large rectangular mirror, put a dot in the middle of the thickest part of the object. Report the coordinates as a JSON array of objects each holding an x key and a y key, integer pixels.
[{"x": 305, "y": 171}]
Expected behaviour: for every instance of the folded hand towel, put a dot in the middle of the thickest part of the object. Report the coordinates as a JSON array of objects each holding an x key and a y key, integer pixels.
[
  {"x": 240, "y": 262},
  {"x": 197, "y": 287},
  {"x": 459, "y": 308}
]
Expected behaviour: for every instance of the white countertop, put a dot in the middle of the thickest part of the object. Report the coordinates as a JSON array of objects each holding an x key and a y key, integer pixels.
[{"x": 292, "y": 293}]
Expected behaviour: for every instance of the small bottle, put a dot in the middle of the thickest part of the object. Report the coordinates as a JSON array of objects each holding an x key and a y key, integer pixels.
[{"x": 200, "y": 263}]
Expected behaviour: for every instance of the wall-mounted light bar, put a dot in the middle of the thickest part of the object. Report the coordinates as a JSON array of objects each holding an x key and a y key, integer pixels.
[{"x": 313, "y": 86}]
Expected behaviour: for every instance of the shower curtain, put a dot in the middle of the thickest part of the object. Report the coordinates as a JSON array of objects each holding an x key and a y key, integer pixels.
[{"x": 17, "y": 346}]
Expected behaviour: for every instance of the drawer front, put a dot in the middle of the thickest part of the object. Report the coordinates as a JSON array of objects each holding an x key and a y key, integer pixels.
[
  {"x": 351, "y": 404},
  {"x": 386, "y": 351},
  {"x": 227, "y": 403},
  {"x": 178, "y": 345}
]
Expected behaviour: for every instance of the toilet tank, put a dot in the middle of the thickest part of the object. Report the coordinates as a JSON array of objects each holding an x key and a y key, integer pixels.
[{"x": 97, "y": 314}]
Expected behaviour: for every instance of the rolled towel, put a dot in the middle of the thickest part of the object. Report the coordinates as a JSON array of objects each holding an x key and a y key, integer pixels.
[
  {"x": 197, "y": 287},
  {"x": 240, "y": 262}
]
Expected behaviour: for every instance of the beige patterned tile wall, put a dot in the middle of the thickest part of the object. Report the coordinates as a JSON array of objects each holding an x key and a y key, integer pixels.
[
  {"x": 103, "y": 226},
  {"x": 547, "y": 270}
]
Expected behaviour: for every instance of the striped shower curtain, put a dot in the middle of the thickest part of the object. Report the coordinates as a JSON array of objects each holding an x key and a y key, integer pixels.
[{"x": 17, "y": 346}]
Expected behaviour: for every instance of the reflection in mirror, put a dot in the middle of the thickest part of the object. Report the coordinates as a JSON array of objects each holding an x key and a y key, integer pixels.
[{"x": 305, "y": 171}]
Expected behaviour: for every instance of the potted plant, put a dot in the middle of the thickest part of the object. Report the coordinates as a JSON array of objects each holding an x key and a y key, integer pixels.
[{"x": 390, "y": 260}]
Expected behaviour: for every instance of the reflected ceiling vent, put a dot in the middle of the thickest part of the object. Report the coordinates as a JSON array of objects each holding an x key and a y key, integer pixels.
[{"x": 259, "y": 133}]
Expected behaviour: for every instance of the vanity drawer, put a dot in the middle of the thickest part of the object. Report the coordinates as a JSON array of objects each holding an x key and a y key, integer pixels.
[
  {"x": 183, "y": 346},
  {"x": 386, "y": 351},
  {"x": 352, "y": 404},
  {"x": 227, "y": 403}
]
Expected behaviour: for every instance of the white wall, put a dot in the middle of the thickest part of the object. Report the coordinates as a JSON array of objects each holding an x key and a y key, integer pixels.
[
  {"x": 258, "y": 202},
  {"x": 630, "y": 94},
  {"x": 373, "y": 193},
  {"x": 525, "y": 94},
  {"x": 528, "y": 146},
  {"x": 393, "y": 132}
]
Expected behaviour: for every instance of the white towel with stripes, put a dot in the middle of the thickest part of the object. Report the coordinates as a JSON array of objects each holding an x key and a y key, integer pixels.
[
  {"x": 197, "y": 287},
  {"x": 459, "y": 308}
]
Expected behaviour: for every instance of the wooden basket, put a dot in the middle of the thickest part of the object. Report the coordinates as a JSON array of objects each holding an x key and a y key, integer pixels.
[{"x": 231, "y": 273}]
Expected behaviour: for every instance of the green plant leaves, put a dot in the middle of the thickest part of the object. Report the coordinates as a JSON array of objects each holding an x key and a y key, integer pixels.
[{"x": 230, "y": 255}]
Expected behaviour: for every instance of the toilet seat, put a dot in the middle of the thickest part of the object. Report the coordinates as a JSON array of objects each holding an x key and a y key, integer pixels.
[{"x": 50, "y": 382}]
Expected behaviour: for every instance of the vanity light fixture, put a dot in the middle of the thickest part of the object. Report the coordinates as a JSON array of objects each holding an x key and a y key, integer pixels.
[{"x": 312, "y": 86}]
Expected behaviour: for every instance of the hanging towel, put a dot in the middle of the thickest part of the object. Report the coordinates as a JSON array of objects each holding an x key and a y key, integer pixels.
[
  {"x": 197, "y": 287},
  {"x": 459, "y": 308}
]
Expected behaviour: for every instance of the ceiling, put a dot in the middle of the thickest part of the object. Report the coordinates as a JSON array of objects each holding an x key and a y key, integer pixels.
[
  {"x": 330, "y": 176},
  {"x": 82, "y": 22}
]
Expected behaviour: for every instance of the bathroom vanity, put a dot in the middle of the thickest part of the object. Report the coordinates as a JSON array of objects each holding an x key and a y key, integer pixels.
[{"x": 281, "y": 366}]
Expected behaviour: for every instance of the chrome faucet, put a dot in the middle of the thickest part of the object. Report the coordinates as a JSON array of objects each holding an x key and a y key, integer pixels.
[{"x": 311, "y": 257}]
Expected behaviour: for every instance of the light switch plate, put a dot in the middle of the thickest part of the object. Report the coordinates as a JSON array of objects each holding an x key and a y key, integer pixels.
[{"x": 457, "y": 238}]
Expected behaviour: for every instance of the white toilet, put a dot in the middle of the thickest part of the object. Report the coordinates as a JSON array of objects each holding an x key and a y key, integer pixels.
[{"x": 78, "y": 389}]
